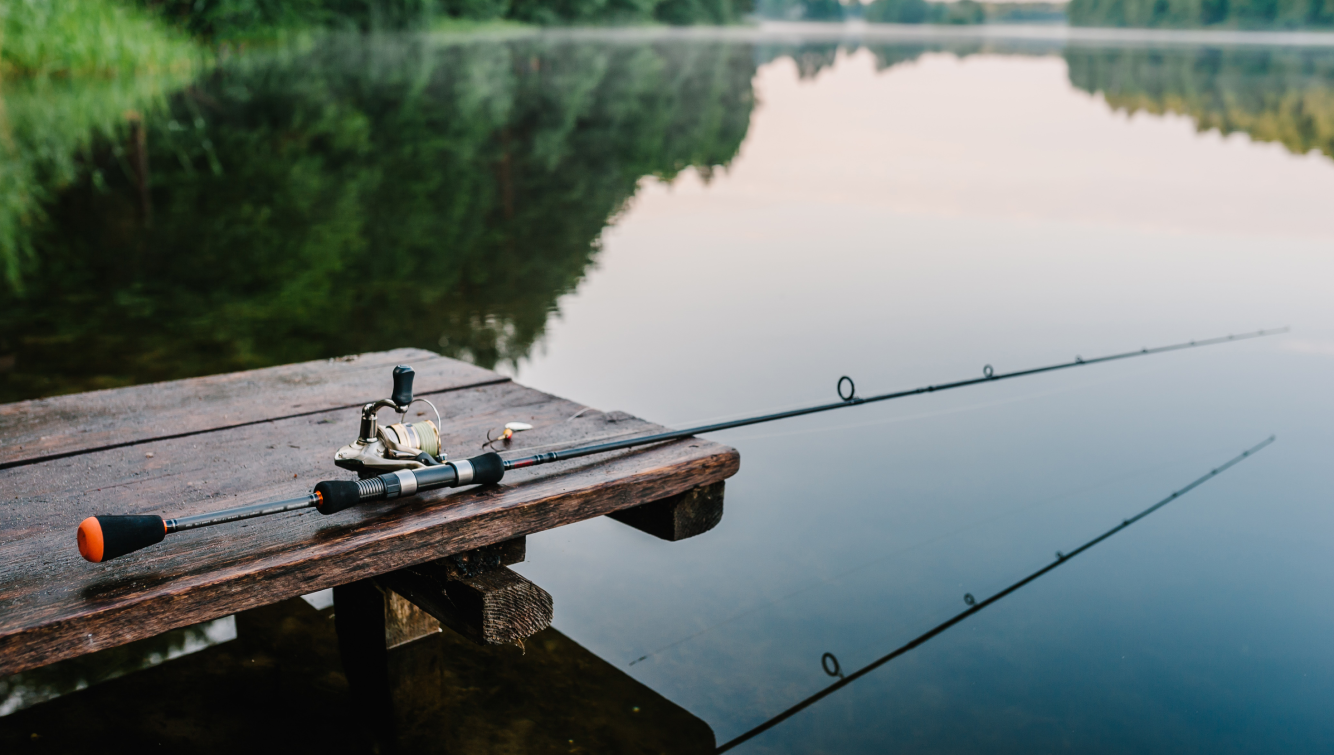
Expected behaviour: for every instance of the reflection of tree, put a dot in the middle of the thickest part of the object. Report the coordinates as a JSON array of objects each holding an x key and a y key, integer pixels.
[
  {"x": 1276, "y": 95},
  {"x": 46, "y": 127},
  {"x": 811, "y": 57},
  {"x": 37, "y": 685},
  {"x": 1244, "y": 14},
  {"x": 363, "y": 195}
]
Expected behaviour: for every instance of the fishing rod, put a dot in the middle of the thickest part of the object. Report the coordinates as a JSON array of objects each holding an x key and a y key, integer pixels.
[
  {"x": 976, "y": 605},
  {"x": 404, "y": 459}
]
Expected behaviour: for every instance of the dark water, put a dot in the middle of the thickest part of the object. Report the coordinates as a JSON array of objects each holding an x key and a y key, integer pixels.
[{"x": 687, "y": 228}]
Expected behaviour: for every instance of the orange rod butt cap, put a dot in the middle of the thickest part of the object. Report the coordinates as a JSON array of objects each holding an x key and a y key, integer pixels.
[{"x": 90, "y": 539}]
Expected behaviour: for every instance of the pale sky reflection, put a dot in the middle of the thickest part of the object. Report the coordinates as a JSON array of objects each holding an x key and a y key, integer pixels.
[{"x": 1003, "y": 137}]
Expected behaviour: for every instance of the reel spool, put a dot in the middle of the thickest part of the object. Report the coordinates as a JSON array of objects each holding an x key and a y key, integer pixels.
[
  {"x": 412, "y": 438},
  {"x": 402, "y": 445}
]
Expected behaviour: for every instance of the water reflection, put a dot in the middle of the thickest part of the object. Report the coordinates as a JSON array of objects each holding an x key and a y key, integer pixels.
[
  {"x": 1283, "y": 95},
  {"x": 368, "y": 193},
  {"x": 281, "y": 686},
  {"x": 829, "y": 663},
  {"x": 25, "y": 689},
  {"x": 1271, "y": 95},
  {"x": 361, "y": 195}
]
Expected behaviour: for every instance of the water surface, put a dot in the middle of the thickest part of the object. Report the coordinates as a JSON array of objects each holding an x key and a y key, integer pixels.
[{"x": 693, "y": 228}]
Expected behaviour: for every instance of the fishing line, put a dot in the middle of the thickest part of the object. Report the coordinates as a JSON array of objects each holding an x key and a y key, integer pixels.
[
  {"x": 905, "y": 551},
  {"x": 851, "y": 399},
  {"x": 936, "y": 413},
  {"x": 975, "y": 605}
]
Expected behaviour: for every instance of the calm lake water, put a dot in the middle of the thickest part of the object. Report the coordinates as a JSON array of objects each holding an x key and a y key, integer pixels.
[{"x": 687, "y": 228}]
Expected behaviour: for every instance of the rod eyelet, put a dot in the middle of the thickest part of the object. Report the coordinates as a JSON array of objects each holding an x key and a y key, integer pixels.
[{"x": 852, "y": 388}]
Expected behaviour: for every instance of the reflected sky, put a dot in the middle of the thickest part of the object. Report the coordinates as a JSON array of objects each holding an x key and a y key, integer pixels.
[{"x": 909, "y": 226}]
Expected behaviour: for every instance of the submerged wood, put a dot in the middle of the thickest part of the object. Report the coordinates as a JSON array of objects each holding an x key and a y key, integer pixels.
[{"x": 54, "y": 605}]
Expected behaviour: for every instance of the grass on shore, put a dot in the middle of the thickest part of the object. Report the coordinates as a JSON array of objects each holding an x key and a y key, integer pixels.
[
  {"x": 89, "y": 37},
  {"x": 73, "y": 70}
]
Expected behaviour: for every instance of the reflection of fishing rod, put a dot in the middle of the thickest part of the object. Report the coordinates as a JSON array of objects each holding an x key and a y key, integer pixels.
[
  {"x": 974, "y": 607},
  {"x": 409, "y": 456}
]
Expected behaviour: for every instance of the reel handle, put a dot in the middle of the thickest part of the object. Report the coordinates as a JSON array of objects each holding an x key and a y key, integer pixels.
[{"x": 402, "y": 395}]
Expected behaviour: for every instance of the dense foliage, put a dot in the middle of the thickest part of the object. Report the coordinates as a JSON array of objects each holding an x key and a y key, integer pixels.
[
  {"x": 240, "y": 18},
  {"x": 88, "y": 37},
  {"x": 370, "y": 193},
  {"x": 1245, "y": 14},
  {"x": 923, "y": 12}
]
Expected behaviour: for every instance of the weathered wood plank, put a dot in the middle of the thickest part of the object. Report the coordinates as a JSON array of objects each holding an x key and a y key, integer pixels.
[
  {"x": 53, "y": 605},
  {"x": 63, "y": 426},
  {"x": 684, "y": 515}
]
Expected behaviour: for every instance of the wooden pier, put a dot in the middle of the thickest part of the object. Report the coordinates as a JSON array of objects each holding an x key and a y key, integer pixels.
[{"x": 191, "y": 446}]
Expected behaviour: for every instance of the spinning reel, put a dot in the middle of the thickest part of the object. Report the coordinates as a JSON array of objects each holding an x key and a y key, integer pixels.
[{"x": 402, "y": 445}]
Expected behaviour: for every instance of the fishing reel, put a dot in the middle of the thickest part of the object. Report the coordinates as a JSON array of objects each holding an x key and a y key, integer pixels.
[{"x": 402, "y": 445}]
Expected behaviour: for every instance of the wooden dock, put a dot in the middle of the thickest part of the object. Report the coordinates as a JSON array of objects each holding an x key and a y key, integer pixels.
[{"x": 191, "y": 446}]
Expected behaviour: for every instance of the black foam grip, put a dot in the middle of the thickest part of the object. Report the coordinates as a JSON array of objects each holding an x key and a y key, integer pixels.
[
  {"x": 487, "y": 469},
  {"x": 126, "y": 534},
  {"x": 403, "y": 375},
  {"x": 336, "y": 495}
]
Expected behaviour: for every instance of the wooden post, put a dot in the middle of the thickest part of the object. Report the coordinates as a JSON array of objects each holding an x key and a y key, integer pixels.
[
  {"x": 688, "y": 514},
  {"x": 379, "y": 621}
]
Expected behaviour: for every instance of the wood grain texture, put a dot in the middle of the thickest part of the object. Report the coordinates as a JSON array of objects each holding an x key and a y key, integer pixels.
[
  {"x": 54, "y": 605},
  {"x": 429, "y": 584},
  {"x": 62, "y": 426},
  {"x": 684, "y": 515},
  {"x": 494, "y": 606},
  {"x": 404, "y": 622}
]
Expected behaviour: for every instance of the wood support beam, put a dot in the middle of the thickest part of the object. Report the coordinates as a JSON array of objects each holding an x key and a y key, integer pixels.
[
  {"x": 472, "y": 594},
  {"x": 687, "y": 514}
]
